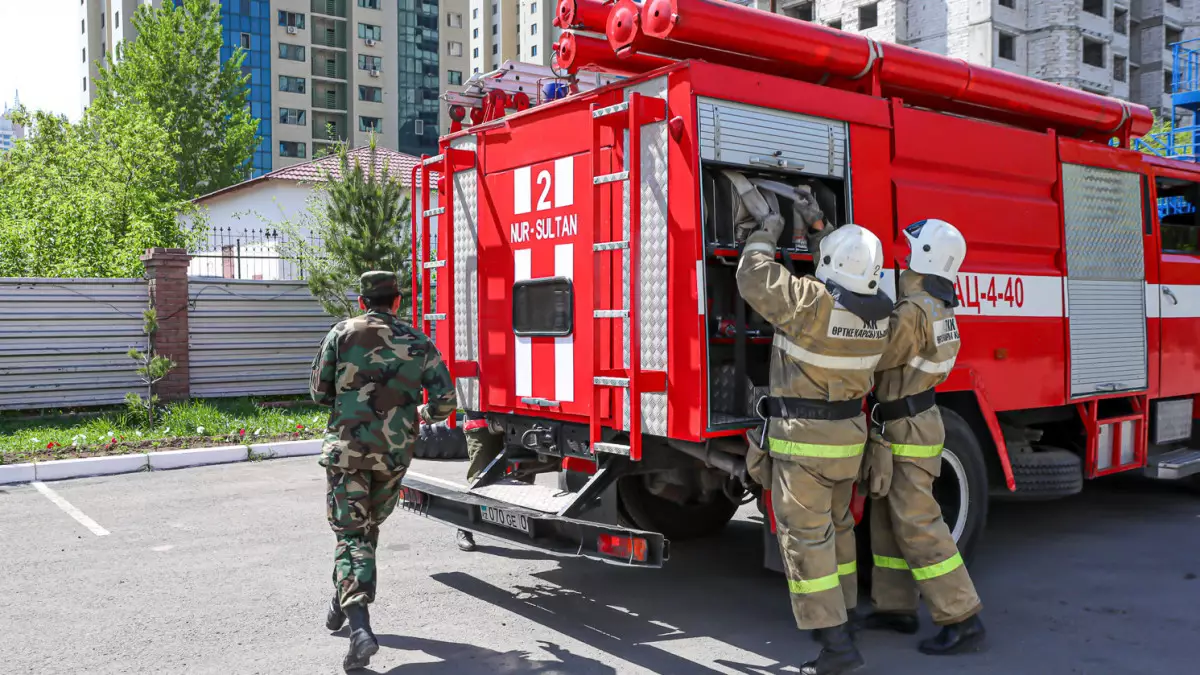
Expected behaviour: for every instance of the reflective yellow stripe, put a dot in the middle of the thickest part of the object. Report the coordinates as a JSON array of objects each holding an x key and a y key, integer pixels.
[
  {"x": 848, "y": 568},
  {"x": 815, "y": 450},
  {"x": 919, "y": 451},
  {"x": 933, "y": 571},
  {"x": 815, "y": 586},
  {"x": 890, "y": 563},
  {"x": 824, "y": 360}
]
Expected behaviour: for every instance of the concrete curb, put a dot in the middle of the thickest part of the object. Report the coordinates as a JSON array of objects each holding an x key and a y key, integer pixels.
[{"x": 62, "y": 469}]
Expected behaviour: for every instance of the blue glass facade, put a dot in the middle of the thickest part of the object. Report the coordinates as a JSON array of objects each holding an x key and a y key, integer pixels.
[{"x": 247, "y": 23}]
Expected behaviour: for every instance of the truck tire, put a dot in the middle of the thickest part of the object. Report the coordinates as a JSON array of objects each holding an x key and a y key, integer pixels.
[
  {"x": 438, "y": 441},
  {"x": 1051, "y": 473},
  {"x": 676, "y": 522}
]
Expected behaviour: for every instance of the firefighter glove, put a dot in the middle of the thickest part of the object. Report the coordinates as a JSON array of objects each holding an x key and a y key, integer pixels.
[
  {"x": 876, "y": 471},
  {"x": 758, "y": 462},
  {"x": 806, "y": 208},
  {"x": 423, "y": 414}
]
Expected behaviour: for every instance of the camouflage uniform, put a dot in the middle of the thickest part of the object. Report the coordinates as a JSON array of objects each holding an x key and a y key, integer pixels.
[
  {"x": 911, "y": 544},
  {"x": 822, "y": 353},
  {"x": 371, "y": 370}
]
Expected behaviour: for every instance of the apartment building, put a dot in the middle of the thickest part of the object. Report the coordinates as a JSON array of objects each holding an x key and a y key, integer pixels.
[
  {"x": 10, "y": 132},
  {"x": 454, "y": 61},
  {"x": 1117, "y": 48},
  {"x": 511, "y": 30}
]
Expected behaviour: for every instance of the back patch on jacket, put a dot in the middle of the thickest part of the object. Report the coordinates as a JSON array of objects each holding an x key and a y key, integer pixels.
[
  {"x": 945, "y": 331},
  {"x": 844, "y": 325}
]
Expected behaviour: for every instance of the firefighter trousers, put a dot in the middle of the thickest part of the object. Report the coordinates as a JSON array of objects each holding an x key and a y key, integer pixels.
[
  {"x": 815, "y": 530},
  {"x": 914, "y": 551}
]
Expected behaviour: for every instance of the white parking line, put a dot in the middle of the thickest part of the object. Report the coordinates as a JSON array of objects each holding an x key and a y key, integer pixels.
[{"x": 70, "y": 509}]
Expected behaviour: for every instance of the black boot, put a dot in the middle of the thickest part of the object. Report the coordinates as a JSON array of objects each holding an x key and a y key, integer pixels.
[
  {"x": 900, "y": 622},
  {"x": 465, "y": 541},
  {"x": 964, "y": 636},
  {"x": 838, "y": 653},
  {"x": 334, "y": 616},
  {"x": 363, "y": 644},
  {"x": 853, "y": 621}
]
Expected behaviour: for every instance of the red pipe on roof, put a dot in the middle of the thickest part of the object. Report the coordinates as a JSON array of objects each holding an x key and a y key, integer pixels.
[
  {"x": 574, "y": 52},
  {"x": 902, "y": 71}
]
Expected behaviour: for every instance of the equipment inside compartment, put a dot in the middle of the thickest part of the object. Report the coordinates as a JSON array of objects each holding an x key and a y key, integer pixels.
[{"x": 739, "y": 340}]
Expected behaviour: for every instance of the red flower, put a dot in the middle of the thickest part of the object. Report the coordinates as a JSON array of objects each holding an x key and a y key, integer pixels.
[
  {"x": 299, "y": 426},
  {"x": 50, "y": 445},
  {"x": 241, "y": 432}
]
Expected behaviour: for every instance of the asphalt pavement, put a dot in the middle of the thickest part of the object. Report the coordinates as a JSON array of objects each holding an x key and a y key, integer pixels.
[{"x": 227, "y": 570}]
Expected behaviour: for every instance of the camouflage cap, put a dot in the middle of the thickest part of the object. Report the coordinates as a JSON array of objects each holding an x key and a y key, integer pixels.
[{"x": 377, "y": 284}]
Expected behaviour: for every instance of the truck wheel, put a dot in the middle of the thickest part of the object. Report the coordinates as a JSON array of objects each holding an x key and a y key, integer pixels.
[
  {"x": 1046, "y": 474},
  {"x": 438, "y": 441},
  {"x": 962, "y": 488},
  {"x": 674, "y": 521}
]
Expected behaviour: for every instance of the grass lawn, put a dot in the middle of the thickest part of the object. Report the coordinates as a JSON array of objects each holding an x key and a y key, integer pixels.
[{"x": 190, "y": 424}]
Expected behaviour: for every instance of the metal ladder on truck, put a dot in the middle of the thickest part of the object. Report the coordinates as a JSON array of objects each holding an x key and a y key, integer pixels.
[{"x": 630, "y": 116}]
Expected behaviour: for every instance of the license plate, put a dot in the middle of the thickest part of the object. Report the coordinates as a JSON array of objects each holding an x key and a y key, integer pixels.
[{"x": 514, "y": 521}]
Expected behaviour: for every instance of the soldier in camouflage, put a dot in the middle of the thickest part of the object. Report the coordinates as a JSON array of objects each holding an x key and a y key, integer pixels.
[{"x": 371, "y": 369}]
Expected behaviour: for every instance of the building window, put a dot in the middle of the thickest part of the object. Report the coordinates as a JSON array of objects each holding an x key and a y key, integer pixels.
[
  {"x": 1168, "y": 85},
  {"x": 533, "y": 50},
  {"x": 1011, "y": 4},
  {"x": 475, "y": 33},
  {"x": 1120, "y": 21},
  {"x": 291, "y": 19},
  {"x": 836, "y": 24},
  {"x": 495, "y": 49},
  {"x": 1120, "y": 65},
  {"x": 369, "y": 4},
  {"x": 495, "y": 28},
  {"x": 533, "y": 29},
  {"x": 454, "y": 77},
  {"x": 245, "y": 41},
  {"x": 455, "y": 49},
  {"x": 495, "y": 9},
  {"x": 117, "y": 20},
  {"x": 370, "y": 124},
  {"x": 454, "y": 20},
  {"x": 802, "y": 11},
  {"x": 369, "y": 32},
  {"x": 476, "y": 52},
  {"x": 102, "y": 21},
  {"x": 1093, "y": 53},
  {"x": 83, "y": 26},
  {"x": 533, "y": 8},
  {"x": 1174, "y": 36},
  {"x": 1006, "y": 46},
  {"x": 370, "y": 94},
  {"x": 366, "y": 62},
  {"x": 868, "y": 16},
  {"x": 291, "y": 52},
  {"x": 1094, "y": 7},
  {"x": 475, "y": 13},
  {"x": 84, "y": 55},
  {"x": 290, "y": 84},
  {"x": 292, "y": 149},
  {"x": 85, "y": 84},
  {"x": 293, "y": 116},
  {"x": 1174, "y": 3},
  {"x": 419, "y": 127}
]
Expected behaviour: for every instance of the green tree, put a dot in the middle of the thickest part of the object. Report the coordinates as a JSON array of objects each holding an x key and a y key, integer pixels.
[
  {"x": 1164, "y": 141},
  {"x": 151, "y": 369},
  {"x": 174, "y": 70},
  {"x": 360, "y": 214},
  {"x": 87, "y": 199}
]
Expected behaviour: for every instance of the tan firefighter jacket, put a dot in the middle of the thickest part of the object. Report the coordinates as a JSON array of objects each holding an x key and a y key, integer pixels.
[
  {"x": 921, "y": 350},
  {"x": 821, "y": 351}
]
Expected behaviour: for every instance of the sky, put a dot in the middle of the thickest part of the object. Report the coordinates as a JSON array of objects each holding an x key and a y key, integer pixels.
[{"x": 39, "y": 55}]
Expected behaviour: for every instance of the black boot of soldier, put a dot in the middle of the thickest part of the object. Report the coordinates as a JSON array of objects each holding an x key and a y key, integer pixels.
[
  {"x": 465, "y": 541},
  {"x": 900, "y": 622},
  {"x": 956, "y": 638},
  {"x": 838, "y": 653},
  {"x": 363, "y": 644},
  {"x": 853, "y": 621},
  {"x": 334, "y": 616}
]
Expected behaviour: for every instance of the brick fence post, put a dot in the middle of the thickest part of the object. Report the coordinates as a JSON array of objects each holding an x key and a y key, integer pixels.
[{"x": 167, "y": 274}]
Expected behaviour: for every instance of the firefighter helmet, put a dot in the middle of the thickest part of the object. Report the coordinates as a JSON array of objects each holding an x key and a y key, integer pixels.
[
  {"x": 937, "y": 248},
  {"x": 851, "y": 257}
]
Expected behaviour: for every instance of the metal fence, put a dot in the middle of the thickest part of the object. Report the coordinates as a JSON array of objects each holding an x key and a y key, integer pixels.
[
  {"x": 264, "y": 254},
  {"x": 252, "y": 337},
  {"x": 64, "y": 342}
]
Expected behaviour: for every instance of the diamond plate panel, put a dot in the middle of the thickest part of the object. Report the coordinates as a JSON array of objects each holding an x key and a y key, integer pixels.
[
  {"x": 1102, "y": 209},
  {"x": 466, "y": 278}
]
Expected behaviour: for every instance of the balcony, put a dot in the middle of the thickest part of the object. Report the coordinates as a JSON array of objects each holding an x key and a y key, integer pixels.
[
  {"x": 329, "y": 65},
  {"x": 336, "y": 8},
  {"x": 326, "y": 33},
  {"x": 329, "y": 98},
  {"x": 330, "y": 133}
]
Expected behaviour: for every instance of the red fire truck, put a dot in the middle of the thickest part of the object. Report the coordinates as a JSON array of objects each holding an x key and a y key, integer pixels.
[{"x": 587, "y": 307}]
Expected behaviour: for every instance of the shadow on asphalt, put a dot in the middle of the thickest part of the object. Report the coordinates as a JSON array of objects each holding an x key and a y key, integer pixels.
[
  {"x": 1035, "y": 596},
  {"x": 457, "y": 658}
]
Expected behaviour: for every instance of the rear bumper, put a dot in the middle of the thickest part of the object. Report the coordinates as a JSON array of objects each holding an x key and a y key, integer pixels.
[{"x": 564, "y": 537}]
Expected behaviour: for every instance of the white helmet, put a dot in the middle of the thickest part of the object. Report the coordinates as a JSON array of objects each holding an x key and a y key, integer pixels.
[
  {"x": 852, "y": 258},
  {"x": 937, "y": 248}
]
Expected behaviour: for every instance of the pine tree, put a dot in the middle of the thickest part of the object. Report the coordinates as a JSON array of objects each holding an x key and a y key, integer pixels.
[{"x": 364, "y": 223}]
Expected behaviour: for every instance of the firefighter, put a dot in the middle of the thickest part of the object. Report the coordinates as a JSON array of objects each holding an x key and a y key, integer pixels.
[
  {"x": 830, "y": 330},
  {"x": 913, "y": 549},
  {"x": 483, "y": 446}
]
